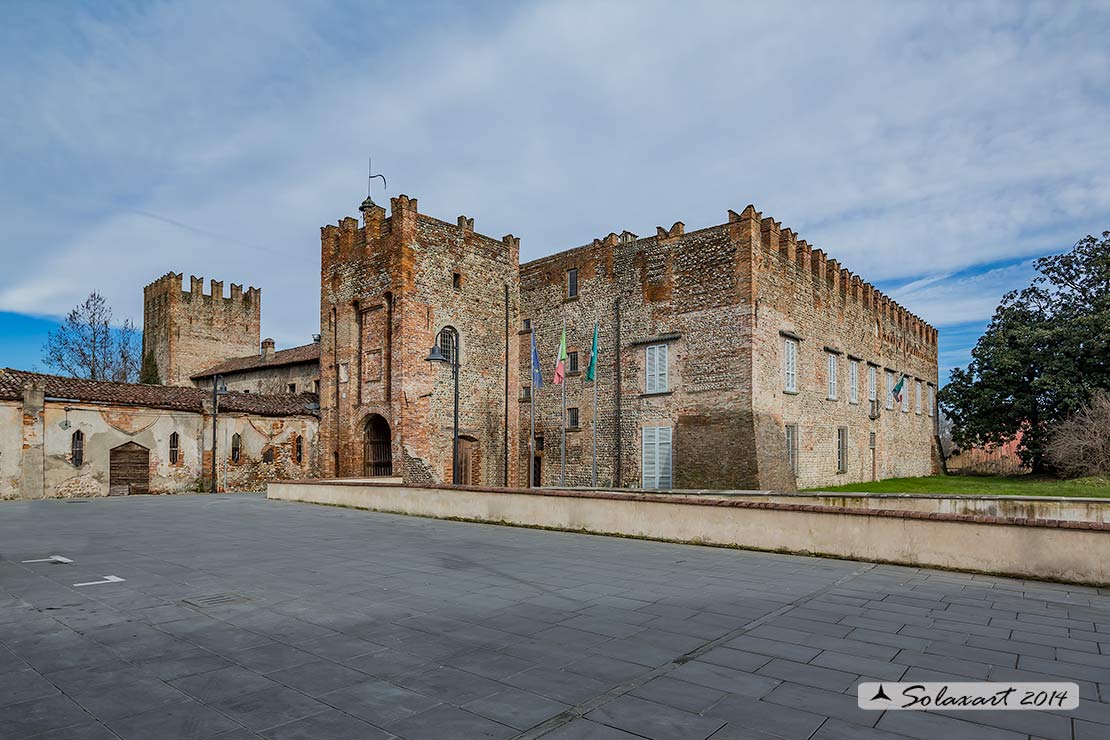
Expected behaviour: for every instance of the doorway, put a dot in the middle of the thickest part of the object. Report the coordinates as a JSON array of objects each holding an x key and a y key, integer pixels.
[
  {"x": 377, "y": 448},
  {"x": 128, "y": 470},
  {"x": 470, "y": 472}
]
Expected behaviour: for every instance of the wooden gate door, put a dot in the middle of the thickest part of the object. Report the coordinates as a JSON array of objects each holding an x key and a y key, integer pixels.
[
  {"x": 129, "y": 470},
  {"x": 377, "y": 451},
  {"x": 467, "y": 463}
]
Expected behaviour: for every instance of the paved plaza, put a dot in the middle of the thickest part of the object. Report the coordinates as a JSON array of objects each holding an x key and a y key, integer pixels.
[{"x": 242, "y": 618}]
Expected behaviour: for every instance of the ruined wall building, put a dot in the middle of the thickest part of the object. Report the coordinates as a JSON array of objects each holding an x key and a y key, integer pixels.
[{"x": 734, "y": 356}]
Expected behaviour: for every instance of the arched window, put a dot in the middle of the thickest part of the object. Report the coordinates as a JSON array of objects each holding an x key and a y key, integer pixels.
[
  {"x": 298, "y": 449},
  {"x": 268, "y": 455},
  {"x": 77, "y": 448},
  {"x": 449, "y": 343},
  {"x": 236, "y": 447},
  {"x": 175, "y": 442}
]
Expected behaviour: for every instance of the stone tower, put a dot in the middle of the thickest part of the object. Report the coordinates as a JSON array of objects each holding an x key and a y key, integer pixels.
[{"x": 189, "y": 331}]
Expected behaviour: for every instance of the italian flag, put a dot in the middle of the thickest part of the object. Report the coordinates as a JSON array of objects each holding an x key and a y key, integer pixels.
[
  {"x": 898, "y": 388},
  {"x": 561, "y": 361}
]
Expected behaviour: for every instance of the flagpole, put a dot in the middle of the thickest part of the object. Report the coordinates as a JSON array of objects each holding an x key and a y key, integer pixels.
[
  {"x": 563, "y": 450},
  {"x": 593, "y": 361},
  {"x": 532, "y": 412}
]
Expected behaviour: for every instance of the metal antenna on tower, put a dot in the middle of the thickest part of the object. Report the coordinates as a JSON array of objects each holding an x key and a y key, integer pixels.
[{"x": 370, "y": 178}]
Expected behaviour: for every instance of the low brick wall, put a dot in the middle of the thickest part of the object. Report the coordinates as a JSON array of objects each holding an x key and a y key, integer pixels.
[{"x": 1048, "y": 549}]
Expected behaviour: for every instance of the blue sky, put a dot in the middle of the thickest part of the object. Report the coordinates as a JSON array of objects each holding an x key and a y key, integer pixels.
[{"x": 933, "y": 148}]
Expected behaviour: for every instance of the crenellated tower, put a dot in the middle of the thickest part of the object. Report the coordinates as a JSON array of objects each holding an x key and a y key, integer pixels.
[{"x": 189, "y": 330}]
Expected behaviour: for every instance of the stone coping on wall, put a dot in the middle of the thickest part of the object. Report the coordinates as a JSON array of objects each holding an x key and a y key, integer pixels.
[{"x": 728, "y": 499}]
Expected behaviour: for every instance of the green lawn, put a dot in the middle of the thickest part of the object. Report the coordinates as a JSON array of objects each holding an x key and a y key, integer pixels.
[{"x": 1023, "y": 485}]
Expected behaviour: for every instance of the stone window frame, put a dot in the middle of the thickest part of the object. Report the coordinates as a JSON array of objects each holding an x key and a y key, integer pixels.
[
  {"x": 456, "y": 280},
  {"x": 236, "y": 448},
  {"x": 841, "y": 450},
  {"x": 526, "y": 394},
  {"x": 77, "y": 448},
  {"x": 573, "y": 367},
  {"x": 573, "y": 418},
  {"x": 175, "y": 448},
  {"x": 570, "y": 284}
]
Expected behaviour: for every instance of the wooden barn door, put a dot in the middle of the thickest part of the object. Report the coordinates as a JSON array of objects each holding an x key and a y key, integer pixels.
[{"x": 129, "y": 470}]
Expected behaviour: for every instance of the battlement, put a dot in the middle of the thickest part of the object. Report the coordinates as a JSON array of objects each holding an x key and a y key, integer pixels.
[
  {"x": 771, "y": 241},
  {"x": 170, "y": 285}
]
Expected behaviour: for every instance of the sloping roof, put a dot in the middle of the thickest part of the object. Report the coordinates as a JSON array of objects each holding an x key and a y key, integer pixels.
[
  {"x": 155, "y": 396},
  {"x": 292, "y": 356}
]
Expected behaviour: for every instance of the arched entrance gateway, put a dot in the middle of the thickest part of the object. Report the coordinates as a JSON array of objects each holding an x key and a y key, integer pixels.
[{"x": 377, "y": 452}]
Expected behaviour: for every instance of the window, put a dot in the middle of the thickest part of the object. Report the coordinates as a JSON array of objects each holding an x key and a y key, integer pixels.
[
  {"x": 572, "y": 418},
  {"x": 792, "y": 447},
  {"x": 449, "y": 343},
  {"x": 871, "y": 440},
  {"x": 932, "y": 399},
  {"x": 456, "y": 281},
  {"x": 292, "y": 387},
  {"x": 526, "y": 393},
  {"x": 890, "y": 389},
  {"x": 175, "y": 442},
  {"x": 572, "y": 282},
  {"x": 316, "y": 386},
  {"x": 790, "y": 365},
  {"x": 905, "y": 396},
  {"x": 853, "y": 381},
  {"x": 539, "y": 443},
  {"x": 917, "y": 396},
  {"x": 526, "y": 325},
  {"x": 298, "y": 449},
  {"x": 268, "y": 455},
  {"x": 655, "y": 364},
  {"x": 872, "y": 386},
  {"x": 344, "y": 372},
  {"x": 832, "y": 376},
  {"x": 656, "y": 463},
  {"x": 77, "y": 448},
  {"x": 572, "y": 362},
  {"x": 842, "y": 449},
  {"x": 236, "y": 448}
]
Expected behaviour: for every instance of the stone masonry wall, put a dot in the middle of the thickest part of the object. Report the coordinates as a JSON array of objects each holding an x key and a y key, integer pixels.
[{"x": 189, "y": 331}]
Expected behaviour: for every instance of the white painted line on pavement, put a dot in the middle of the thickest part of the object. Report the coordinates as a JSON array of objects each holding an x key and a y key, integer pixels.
[
  {"x": 51, "y": 559},
  {"x": 107, "y": 579}
]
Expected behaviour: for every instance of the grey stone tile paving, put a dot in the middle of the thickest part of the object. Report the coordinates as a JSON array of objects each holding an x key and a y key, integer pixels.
[{"x": 331, "y": 623}]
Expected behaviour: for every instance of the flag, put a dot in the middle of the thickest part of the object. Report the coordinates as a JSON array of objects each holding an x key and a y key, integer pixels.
[
  {"x": 561, "y": 361},
  {"x": 898, "y": 388},
  {"x": 537, "y": 376},
  {"x": 592, "y": 369}
]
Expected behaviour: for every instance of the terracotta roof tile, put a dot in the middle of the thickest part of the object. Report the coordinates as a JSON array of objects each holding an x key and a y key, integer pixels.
[
  {"x": 155, "y": 396},
  {"x": 292, "y": 356}
]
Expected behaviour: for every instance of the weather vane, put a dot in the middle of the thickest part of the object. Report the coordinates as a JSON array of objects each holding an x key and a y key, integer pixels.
[{"x": 370, "y": 179}]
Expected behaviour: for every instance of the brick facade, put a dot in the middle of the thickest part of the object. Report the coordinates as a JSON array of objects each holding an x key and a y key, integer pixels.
[
  {"x": 722, "y": 300},
  {"x": 189, "y": 331}
]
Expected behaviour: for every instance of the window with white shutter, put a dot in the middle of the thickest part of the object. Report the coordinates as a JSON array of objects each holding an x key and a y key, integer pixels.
[
  {"x": 655, "y": 362},
  {"x": 832, "y": 376},
  {"x": 872, "y": 385},
  {"x": 932, "y": 400},
  {"x": 656, "y": 457},
  {"x": 790, "y": 365},
  {"x": 917, "y": 396},
  {"x": 889, "y": 389},
  {"x": 853, "y": 381}
]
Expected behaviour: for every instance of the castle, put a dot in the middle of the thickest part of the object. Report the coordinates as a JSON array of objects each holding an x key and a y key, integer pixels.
[{"x": 733, "y": 356}]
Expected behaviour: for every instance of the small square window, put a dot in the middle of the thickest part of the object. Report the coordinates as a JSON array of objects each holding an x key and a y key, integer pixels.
[
  {"x": 456, "y": 281},
  {"x": 526, "y": 324},
  {"x": 526, "y": 393},
  {"x": 572, "y": 418},
  {"x": 572, "y": 282},
  {"x": 292, "y": 387},
  {"x": 572, "y": 362}
]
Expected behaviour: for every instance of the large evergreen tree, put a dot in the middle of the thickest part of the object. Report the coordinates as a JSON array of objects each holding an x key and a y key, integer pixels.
[{"x": 1045, "y": 352}]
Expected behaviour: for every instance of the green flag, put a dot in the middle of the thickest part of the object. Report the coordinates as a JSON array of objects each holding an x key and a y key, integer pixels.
[{"x": 592, "y": 369}]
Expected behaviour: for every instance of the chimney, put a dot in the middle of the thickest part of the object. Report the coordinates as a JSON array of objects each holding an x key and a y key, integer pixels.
[{"x": 267, "y": 349}]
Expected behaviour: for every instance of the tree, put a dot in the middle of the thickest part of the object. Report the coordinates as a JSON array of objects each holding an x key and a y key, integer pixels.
[
  {"x": 149, "y": 374},
  {"x": 1080, "y": 445},
  {"x": 86, "y": 345},
  {"x": 1043, "y": 355}
]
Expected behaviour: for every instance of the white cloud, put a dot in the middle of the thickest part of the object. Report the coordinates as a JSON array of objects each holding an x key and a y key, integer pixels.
[{"x": 906, "y": 140}]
